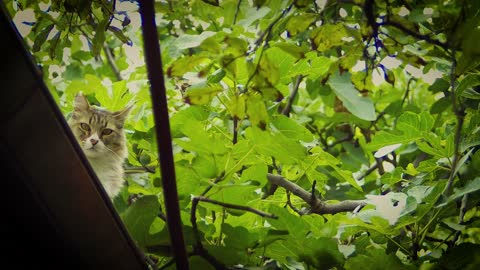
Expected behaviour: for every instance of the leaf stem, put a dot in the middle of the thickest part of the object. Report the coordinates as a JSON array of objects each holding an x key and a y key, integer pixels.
[
  {"x": 460, "y": 114},
  {"x": 461, "y": 218},
  {"x": 423, "y": 231},
  {"x": 399, "y": 245}
]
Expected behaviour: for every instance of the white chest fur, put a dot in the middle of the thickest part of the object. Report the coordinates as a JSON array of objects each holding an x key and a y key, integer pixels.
[{"x": 110, "y": 172}]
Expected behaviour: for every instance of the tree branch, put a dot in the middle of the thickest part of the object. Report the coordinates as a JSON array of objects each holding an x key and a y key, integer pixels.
[
  {"x": 318, "y": 206},
  {"x": 111, "y": 62}
]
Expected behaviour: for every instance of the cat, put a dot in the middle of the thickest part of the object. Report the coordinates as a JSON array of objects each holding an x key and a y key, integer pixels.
[{"x": 102, "y": 138}]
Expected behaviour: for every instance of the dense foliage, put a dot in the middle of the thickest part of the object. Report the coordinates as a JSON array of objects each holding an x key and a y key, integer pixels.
[{"x": 368, "y": 110}]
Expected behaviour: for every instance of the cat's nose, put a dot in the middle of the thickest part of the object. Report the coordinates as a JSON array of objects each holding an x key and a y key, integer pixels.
[{"x": 93, "y": 141}]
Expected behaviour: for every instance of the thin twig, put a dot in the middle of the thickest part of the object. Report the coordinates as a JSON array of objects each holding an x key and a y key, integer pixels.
[
  {"x": 313, "y": 197},
  {"x": 288, "y": 107},
  {"x": 426, "y": 38},
  {"x": 235, "y": 131},
  {"x": 235, "y": 206},
  {"x": 264, "y": 38},
  {"x": 407, "y": 91},
  {"x": 346, "y": 139},
  {"x": 218, "y": 179},
  {"x": 369, "y": 171},
  {"x": 237, "y": 10},
  {"x": 290, "y": 204},
  {"x": 162, "y": 216}
]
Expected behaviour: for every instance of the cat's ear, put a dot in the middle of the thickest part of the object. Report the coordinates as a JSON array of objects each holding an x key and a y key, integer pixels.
[
  {"x": 122, "y": 115},
  {"x": 81, "y": 103}
]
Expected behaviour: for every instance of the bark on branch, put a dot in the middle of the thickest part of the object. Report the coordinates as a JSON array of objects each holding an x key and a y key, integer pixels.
[{"x": 318, "y": 206}]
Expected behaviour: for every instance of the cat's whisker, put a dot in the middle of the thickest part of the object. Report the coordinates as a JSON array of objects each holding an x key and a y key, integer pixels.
[{"x": 113, "y": 152}]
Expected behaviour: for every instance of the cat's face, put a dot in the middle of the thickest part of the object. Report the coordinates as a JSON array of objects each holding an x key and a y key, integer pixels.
[{"x": 99, "y": 132}]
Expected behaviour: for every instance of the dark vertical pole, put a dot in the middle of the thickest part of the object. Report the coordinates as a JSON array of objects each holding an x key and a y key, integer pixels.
[{"x": 162, "y": 128}]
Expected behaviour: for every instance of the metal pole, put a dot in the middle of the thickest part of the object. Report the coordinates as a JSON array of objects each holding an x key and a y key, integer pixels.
[{"x": 162, "y": 127}]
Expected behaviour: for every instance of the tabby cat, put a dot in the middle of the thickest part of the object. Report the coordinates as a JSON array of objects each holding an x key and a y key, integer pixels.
[{"x": 100, "y": 134}]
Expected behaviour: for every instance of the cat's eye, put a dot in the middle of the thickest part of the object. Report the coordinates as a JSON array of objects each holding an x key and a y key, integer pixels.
[
  {"x": 107, "y": 131},
  {"x": 85, "y": 126}
]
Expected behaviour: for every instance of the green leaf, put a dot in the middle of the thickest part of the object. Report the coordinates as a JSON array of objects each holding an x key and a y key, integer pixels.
[
  {"x": 463, "y": 256},
  {"x": 115, "y": 100},
  {"x": 324, "y": 158},
  {"x": 256, "y": 111},
  {"x": 200, "y": 141},
  {"x": 410, "y": 127},
  {"x": 73, "y": 72},
  {"x": 393, "y": 177},
  {"x": 180, "y": 118},
  {"x": 120, "y": 35},
  {"x": 467, "y": 82},
  {"x": 256, "y": 173},
  {"x": 471, "y": 186},
  {"x": 217, "y": 76},
  {"x": 328, "y": 36},
  {"x": 287, "y": 221},
  {"x": 190, "y": 41},
  {"x": 53, "y": 45},
  {"x": 139, "y": 217},
  {"x": 236, "y": 106},
  {"x": 375, "y": 259},
  {"x": 292, "y": 129},
  {"x": 186, "y": 64},
  {"x": 471, "y": 94},
  {"x": 99, "y": 37},
  {"x": 202, "y": 93},
  {"x": 358, "y": 105},
  {"x": 322, "y": 253},
  {"x": 285, "y": 150},
  {"x": 41, "y": 37},
  {"x": 237, "y": 237},
  {"x": 440, "y": 85},
  {"x": 205, "y": 166},
  {"x": 197, "y": 262},
  {"x": 299, "y": 23},
  {"x": 292, "y": 49}
]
